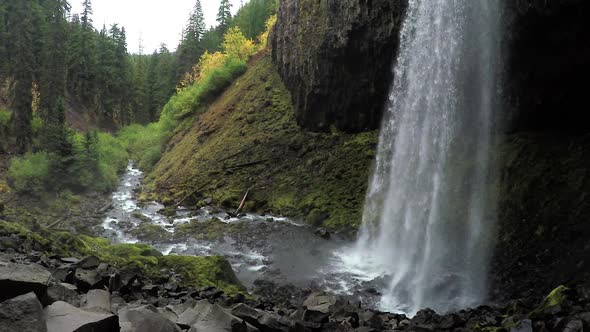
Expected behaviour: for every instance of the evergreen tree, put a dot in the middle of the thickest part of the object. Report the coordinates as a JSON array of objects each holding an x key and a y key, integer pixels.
[
  {"x": 22, "y": 68},
  {"x": 190, "y": 48},
  {"x": 224, "y": 15},
  {"x": 54, "y": 72}
]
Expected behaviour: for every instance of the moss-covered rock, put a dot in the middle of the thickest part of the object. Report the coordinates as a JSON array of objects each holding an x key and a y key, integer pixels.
[
  {"x": 222, "y": 153},
  {"x": 553, "y": 302},
  {"x": 195, "y": 271}
]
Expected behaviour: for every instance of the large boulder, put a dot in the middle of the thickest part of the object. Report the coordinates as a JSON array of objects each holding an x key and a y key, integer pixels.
[
  {"x": 335, "y": 56},
  {"x": 22, "y": 313},
  {"x": 98, "y": 299},
  {"x": 19, "y": 279},
  {"x": 264, "y": 321},
  {"x": 64, "y": 292},
  {"x": 205, "y": 316},
  {"x": 145, "y": 319},
  {"x": 63, "y": 317}
]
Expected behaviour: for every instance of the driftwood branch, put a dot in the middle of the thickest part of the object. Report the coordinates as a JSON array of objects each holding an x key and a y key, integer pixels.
[{"x": 243, "y": 202}]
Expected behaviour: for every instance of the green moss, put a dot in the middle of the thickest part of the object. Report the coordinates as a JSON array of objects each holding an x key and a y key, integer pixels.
[
  {"x": 149, "y": 232},
  {"x": 195, "y": 271},
  {"x": 209, "y": 230},
  {"x": 556, "y": 298},
  {"x": 288, "y": 171},
  {"x": 204, "y": 271}
]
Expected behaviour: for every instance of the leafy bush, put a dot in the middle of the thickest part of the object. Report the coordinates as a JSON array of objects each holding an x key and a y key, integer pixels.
[
  {"x": 144, "y": 143},
  {"x": 236, "y": 46},
  {"x": 4, "y": 119},
  {"x": 30, "y": 173}
]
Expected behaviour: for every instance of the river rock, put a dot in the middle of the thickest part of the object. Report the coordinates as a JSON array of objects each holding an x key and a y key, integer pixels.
[
  {"x": 205, "y": 316},
  {"x": 98, "y": 299},
  {"x": 63, "y": 317},
  {"x": 64, "y": 292},
  {"x": 19, "y": 279},
  {"x": 22, "y": 313}
]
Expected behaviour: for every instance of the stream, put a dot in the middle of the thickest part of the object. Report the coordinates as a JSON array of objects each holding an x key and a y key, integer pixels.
[{"x": 258, "y": 247}]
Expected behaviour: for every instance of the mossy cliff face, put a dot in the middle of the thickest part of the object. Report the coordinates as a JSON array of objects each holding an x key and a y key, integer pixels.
[
  {"x": 249, "y": 140},
  {"x": 335, "y": 57},
  {"x": 544, "y": 235},
  {"x": 544, "y": 208}
]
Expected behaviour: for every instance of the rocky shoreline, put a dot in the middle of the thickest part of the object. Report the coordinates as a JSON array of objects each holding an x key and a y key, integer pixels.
[{"x": 42, "y": 293}]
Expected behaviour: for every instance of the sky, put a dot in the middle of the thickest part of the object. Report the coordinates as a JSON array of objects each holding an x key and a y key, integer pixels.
[{"x": 154, "y": 21}]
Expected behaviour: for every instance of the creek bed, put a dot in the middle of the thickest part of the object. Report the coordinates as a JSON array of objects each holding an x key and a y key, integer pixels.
[{"x": 258, "y": 247}]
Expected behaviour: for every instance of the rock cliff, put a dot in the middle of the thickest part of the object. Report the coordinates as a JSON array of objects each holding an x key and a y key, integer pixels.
[{"x": 335, "y": 57}]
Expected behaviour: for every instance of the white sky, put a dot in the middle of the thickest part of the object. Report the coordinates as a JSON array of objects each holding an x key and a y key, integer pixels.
[{"x": 156, "y": 21}]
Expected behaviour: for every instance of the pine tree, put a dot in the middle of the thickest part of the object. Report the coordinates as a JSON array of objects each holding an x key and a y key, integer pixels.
[
  {"x": 190, "y": 48},
  {"x": 224, "y": 15},
  {"x": 54, "y": 72},
  {"x": 86, "y": 15},
  {"x": 22, "y": 68}
]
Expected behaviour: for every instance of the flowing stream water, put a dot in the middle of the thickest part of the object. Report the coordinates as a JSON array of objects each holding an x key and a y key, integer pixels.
[
  {"x": 280, "y": 250},
  {"x": 429, "y": 214}
]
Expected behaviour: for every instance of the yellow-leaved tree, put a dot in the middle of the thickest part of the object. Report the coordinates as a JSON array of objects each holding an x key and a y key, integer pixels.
[
  {"x": 263, "y": 38},
  {"x": 236, "y": 46}
]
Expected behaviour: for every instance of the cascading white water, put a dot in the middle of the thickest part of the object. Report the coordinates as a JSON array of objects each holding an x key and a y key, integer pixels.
[{"x": 429, "y": 214}]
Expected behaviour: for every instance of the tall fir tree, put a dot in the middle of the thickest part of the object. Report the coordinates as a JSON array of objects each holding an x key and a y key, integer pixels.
[
  {"x": 224, "y": 16},
  {"x": 191, "y": 48},
  {"x": 22, "y": 69}
]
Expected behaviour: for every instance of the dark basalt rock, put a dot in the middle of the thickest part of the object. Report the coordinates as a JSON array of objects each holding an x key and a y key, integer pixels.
[
  {"x": 335, "y": 57},
  {"x": 18, "y": 279},
  {"x": 22, "y": 313}
]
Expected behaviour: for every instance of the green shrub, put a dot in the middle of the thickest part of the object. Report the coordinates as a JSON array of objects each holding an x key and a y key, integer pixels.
[
  {"x": 4, "y": 119},
  {"x": 30, "y": 173}
]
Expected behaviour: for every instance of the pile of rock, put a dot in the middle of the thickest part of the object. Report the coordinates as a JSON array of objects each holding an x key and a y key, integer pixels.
[{"x": 38, "y": 293}]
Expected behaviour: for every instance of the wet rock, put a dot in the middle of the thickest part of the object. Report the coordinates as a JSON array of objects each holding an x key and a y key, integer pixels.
[
  {"x": 63, "y": 317},
  {"x": 64, "y": 292},
  {"x": 98, "y": 299},
  {"x": 323, "y": 233},
  {"x": 205, "y": 316},
  {"x": 19, "y": 279},
  {"x": 22, "y": 313}
]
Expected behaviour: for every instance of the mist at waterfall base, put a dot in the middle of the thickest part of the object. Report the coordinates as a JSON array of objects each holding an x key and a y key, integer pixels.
[{"x": 429, "y": 215}]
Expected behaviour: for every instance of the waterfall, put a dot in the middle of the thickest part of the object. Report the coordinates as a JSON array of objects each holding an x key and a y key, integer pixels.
[{"x": 430, "y": 211}]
